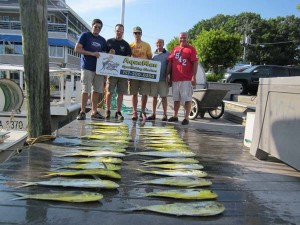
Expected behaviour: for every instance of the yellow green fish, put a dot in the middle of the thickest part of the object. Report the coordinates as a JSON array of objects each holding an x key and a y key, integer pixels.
[
  {"x": 202, "y": 208},
  {"x": 188, "y": 194},
  {"x": 65, "y": 196},
  {"x": 193, "y": 166},
  {"x": 78, "y": 183},
  {"x": 111, "y": 160},
  {"x": 189, "y": 182},
  {"x": 91, "y": 165},
  {"x": 176, "y": 173},
  {"x": 100, "y": 172}
]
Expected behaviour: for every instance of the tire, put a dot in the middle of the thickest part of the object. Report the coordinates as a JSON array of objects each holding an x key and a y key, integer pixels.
[
  {"x": 243, "y": 89},
  {"x": 217, "y": 112},
  {"x": 194, "y": 109}
]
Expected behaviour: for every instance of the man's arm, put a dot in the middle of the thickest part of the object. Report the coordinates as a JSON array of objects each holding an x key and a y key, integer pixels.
[
  {"x": 79, "y": 49},
  {"x": 168, "y": 76},
  {"x": 194, "y": 70}
]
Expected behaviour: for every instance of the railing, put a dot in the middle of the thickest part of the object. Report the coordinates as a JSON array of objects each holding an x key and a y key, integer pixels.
[{"x": 16, "y": 25}]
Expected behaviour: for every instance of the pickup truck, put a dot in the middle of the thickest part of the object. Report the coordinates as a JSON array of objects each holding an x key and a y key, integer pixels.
[{"x": 249, "y": 78}]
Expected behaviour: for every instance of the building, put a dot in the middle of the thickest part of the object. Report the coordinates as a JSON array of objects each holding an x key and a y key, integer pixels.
[{"x": 64, "y": 27}]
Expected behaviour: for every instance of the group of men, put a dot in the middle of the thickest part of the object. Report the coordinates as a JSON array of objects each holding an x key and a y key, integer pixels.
[{"x": 178, "y": 69}]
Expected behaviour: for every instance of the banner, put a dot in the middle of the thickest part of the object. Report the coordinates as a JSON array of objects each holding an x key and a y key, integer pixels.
[{"x": 128, "y": 67}]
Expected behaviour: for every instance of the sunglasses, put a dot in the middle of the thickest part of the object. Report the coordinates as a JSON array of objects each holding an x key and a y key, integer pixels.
[{"x": 137, "y": 33}]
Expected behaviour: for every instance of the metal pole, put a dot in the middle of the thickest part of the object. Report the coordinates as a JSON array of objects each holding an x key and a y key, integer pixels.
[{"x": 122, "y": 11}]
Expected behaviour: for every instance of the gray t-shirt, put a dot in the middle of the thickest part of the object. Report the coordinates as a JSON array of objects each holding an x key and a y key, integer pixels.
[{"x": 163, "y": 58}]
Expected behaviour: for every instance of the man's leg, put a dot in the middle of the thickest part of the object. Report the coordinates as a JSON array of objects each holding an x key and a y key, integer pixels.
[
  {"x": 119, "y": 102},
  {"x": 176, "y": 108},
  {"x": 187, "y": 107},
  {"x": 95, "y": 99},
  {"x": 108, "y": 100},
  {"x": 84, "y": 99}
]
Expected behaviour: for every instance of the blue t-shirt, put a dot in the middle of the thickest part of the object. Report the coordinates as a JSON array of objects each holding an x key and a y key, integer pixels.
[{"x": 93, "y": 44}]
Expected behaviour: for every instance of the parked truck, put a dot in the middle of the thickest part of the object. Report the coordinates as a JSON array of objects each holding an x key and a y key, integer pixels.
[{"x": 249, "y": 78}]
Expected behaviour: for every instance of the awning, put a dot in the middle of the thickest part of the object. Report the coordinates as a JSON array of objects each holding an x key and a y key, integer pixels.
[{"x": 51, "y": 41}]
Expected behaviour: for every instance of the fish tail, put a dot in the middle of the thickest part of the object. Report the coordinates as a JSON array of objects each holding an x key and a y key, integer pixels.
[
  {"x": 21, "y": 196},
  {"x": 26, "y": 184}
]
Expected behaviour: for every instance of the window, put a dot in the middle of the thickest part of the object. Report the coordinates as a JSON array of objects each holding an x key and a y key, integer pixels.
[
  {"x": 5, "y": 18},
  {"x": 280, "y": 71},
  {"x": 8, "y": 47},
  {"x": 56, "y": 51}
]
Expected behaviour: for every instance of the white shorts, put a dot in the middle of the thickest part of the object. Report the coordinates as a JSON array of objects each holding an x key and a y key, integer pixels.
[
  {"x": 182, "y": 91},
  {"x": 90, "y": 81}
]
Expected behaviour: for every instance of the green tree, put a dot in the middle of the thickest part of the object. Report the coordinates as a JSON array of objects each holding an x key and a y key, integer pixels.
[
  {"x": 174, "y": 42},
  {"x": 273, "y": 41},
  {"x": 218, "y": 48}
]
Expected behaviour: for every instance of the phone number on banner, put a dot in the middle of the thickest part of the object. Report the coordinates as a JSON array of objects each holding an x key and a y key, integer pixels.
[{"x": 138, "y": 74}]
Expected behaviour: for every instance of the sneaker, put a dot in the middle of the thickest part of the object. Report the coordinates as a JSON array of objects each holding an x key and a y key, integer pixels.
[
  {"x": 97, "y": 116},
  {"x": 143, "y": 116},
  {"x": 173, "y": 119},
  {"x": 119, "y": 116},
  {"x": 185, "y": 122},
  {"x": 165, "y": 118},
  {"x": 81, "y": 116},
  {"x": 107, "y": 114},
  {"x": 152, "y": 117},
  {"x": 134, "y": 116}
]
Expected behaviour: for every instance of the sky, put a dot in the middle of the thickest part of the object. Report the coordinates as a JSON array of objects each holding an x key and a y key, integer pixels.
[{"x": 167, "y": 18}]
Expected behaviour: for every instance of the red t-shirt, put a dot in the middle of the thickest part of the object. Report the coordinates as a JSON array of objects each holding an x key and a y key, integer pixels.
[{"x": 182, "y": 59}]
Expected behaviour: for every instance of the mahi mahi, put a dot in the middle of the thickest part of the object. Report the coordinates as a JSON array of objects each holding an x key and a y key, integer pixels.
[
  {"x": 202, "y": 208},
  {"x": 95, "y": 153},
  {"x": 189, "y": 194},
  {"x": 65, "y": 196},
  {"x": 165, "y": 153},
  {"x": 176, "y": 173},
  {"x": 189, "y": 182},
  {"x": 171, "y": 160},
  {"x": 78, "y": 183},
  {"x": 176, "y": 166},
  {"x": 91, "y": 165},
  {"x": 100, "y": 172},
  {"x": 112, "y": 160}
]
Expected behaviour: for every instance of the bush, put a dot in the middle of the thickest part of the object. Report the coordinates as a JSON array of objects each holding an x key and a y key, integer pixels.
[{"x": 213, "y": 77}]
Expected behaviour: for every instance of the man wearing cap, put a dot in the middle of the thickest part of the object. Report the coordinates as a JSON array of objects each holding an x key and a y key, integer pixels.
[{"x": 140, "y": 49}]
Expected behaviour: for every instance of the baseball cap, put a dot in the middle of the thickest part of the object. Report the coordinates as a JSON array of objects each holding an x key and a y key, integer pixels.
[{"x": 137, "y": 29}]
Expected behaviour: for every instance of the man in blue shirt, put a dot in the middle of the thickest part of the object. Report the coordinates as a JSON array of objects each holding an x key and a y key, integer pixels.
[{"x": 89, "y": 45}]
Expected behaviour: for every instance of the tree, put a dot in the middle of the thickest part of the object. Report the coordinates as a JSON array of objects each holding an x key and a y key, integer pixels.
[
  {"x": 274, "y": 41},
  {"x": 218, "y": 48},
  {"x": 174, "y": 42},
  {"x": 36, "y": 65}
]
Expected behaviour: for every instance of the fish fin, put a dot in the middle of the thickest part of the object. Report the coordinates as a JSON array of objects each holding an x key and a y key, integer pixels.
[
  {"x": 134, "y": 208},
  {"x": 26, "y": 184},
  {"x": 96, "y": 177}
]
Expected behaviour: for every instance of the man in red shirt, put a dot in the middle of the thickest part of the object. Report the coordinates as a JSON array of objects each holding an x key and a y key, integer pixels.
[{"x": 181, "y": 72}]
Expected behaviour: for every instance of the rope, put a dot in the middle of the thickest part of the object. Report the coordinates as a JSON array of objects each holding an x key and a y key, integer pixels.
[{"x": 43, "y": 138}]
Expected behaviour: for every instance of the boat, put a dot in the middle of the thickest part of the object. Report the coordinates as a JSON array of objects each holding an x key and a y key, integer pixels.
[
  {"x": 64, "y": 28},
  {"x": 10, "y": 143}
]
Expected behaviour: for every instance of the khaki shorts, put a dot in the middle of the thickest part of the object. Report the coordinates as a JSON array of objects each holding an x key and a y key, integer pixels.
[
  {"x": 182, "y": 91},
  {"x": 139, "y": 87},
  {"x": 160, "y": 88},
  {"x": 116, "y": 82},
  {"x": 90, "y": 81}
]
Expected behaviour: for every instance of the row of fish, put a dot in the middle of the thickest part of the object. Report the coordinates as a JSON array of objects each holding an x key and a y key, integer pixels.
[
  {"x": 95, "y": 155},
  {"x": 180, "y": 169}
]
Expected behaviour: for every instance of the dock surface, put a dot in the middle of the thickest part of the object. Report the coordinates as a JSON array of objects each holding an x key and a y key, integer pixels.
[{"x": 253, "y": 192}]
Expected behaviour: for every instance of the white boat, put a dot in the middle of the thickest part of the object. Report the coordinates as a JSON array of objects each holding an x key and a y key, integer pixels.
[
  {"x": 10, "y": 143},
  {"x": 64, "y": 105}
]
